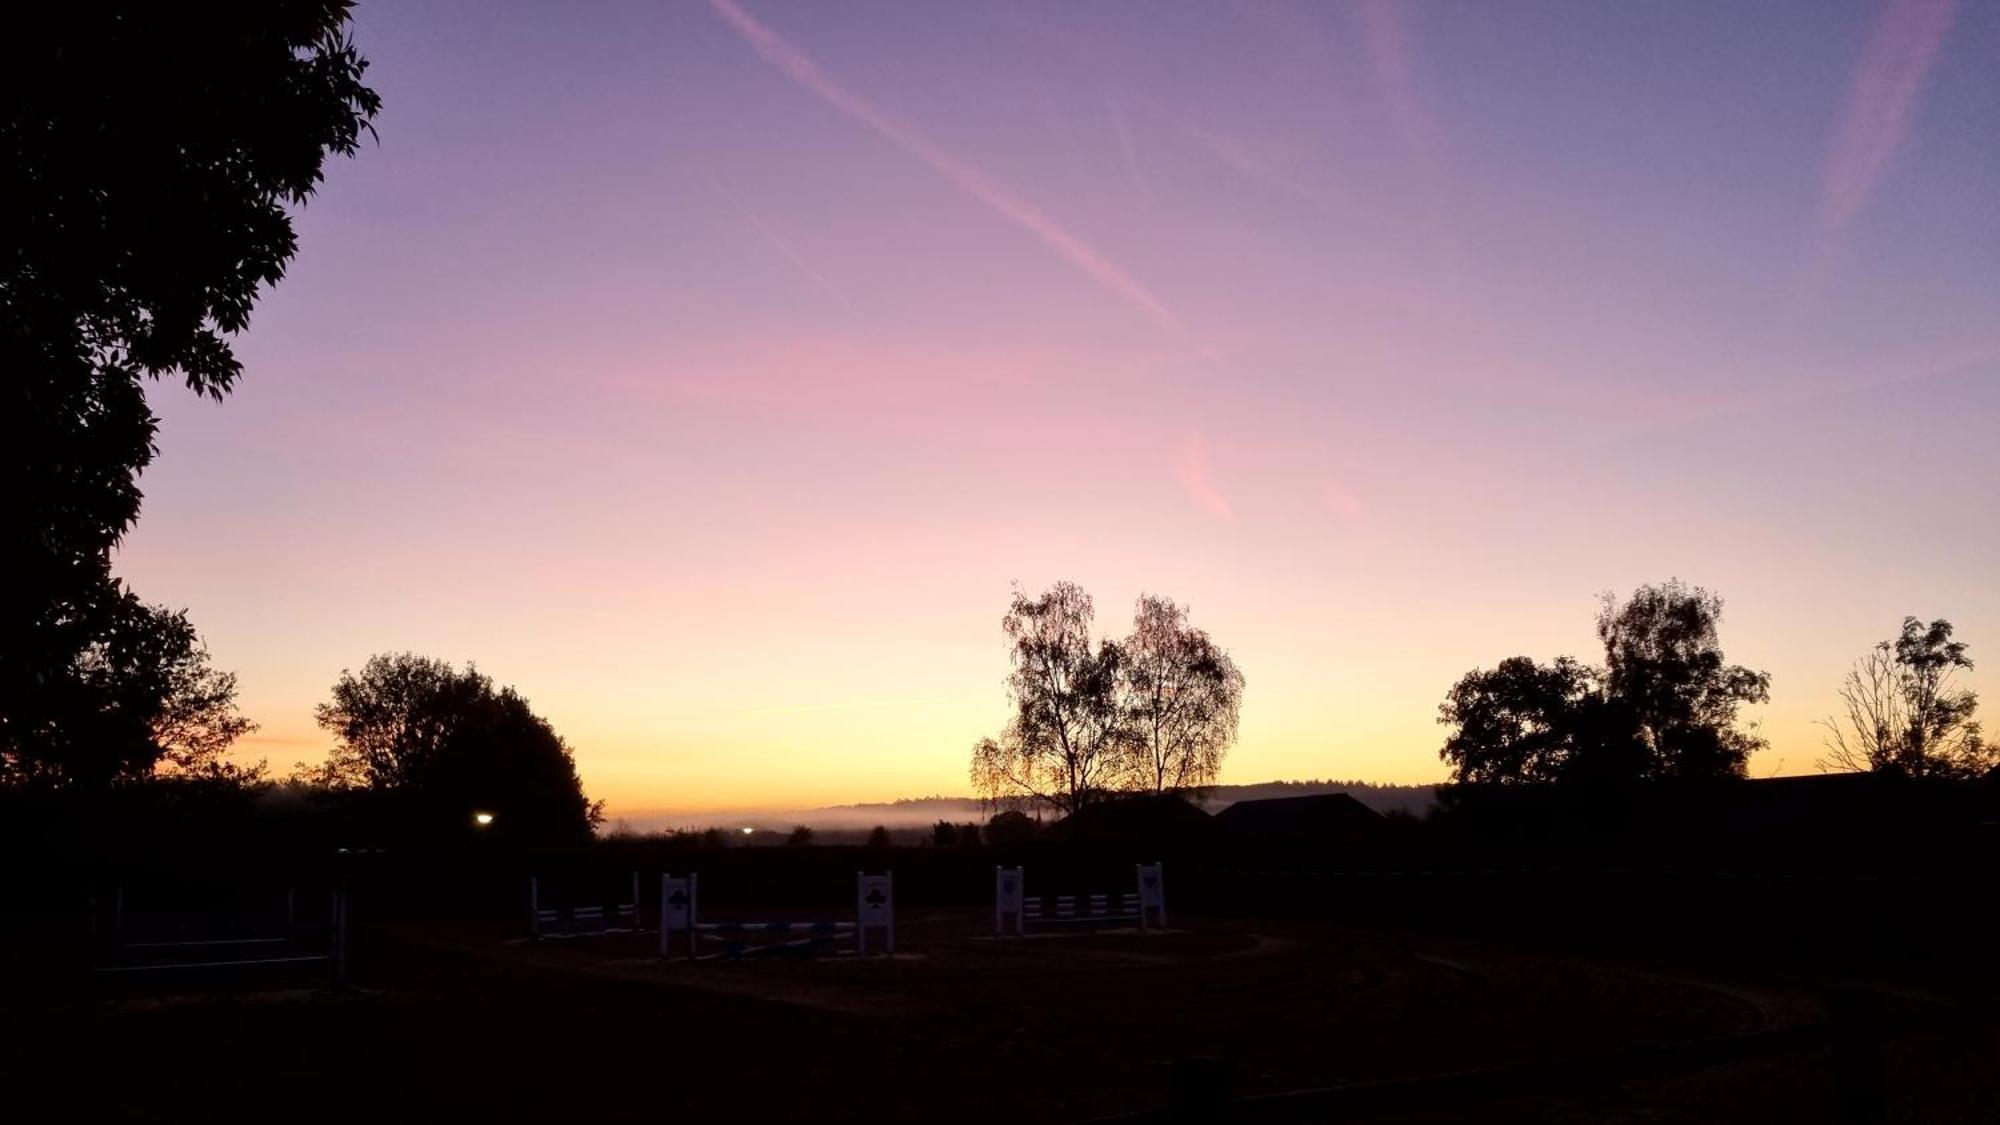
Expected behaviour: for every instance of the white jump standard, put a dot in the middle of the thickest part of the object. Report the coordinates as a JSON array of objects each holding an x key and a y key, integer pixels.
[
  {"x": 1011, "y": 902},
  {"x": 581, "y": 921},
  {"x": 874, "y": 909}
]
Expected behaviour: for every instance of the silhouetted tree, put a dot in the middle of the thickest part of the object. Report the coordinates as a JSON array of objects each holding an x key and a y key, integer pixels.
[
  {"x": 968, "y": 834},
  {"x": 1664, "y": 706},
  {"x": 1516, "y": 723},
  {"x": 878, "y": 837},
  {"x": 944, "y": 834},
  {"x": 198, "y": 721},
  {"x": 139, "y": 700},
  {"x": 1663, "y": 668},
  {"x": 149, "y": 153},
  {"x": 799, "y": 837},
  {"x": 446, "y": 743},
  {"x": 1181, "y": 695},
  {"x": 1063, "y": 745},
  {"x": 1011, "y": 826},
  {"x": 1905, "y": 715}
]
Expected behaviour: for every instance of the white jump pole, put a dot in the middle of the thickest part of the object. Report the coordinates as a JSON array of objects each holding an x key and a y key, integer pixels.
[
  {"x": 1009, "y": 887},
  {"x": 881, "y": 912},
  {"x": 1157, "y": 898},
  {"x": 677, "y": 916}
]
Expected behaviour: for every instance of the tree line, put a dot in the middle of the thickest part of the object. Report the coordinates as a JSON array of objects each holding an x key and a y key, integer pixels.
[{"x": 1664, "y": 705}]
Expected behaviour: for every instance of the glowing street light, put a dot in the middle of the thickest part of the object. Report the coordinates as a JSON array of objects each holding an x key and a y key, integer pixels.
[
  {"x": 482, "y": 819},
  {"x": 747, "y": 831}
]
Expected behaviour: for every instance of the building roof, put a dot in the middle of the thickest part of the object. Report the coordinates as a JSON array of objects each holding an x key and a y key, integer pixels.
[
  {"x": 1141, "y": 818},
  {"x": 1321, "y": 814}
]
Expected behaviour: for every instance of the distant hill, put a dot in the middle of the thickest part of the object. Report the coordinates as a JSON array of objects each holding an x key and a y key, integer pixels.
[
  {"x": 1413, "y": 799},
  {"x": 922, "y": 812}
]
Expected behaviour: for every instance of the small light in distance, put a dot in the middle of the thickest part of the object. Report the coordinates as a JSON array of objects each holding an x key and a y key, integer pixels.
[
  {"x": 482, "y": 819},
  {"x": 747, "y": 831}
]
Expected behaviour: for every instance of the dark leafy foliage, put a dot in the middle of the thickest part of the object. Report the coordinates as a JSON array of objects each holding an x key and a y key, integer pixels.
[
  {"x": 1010, "y": 826},
  {"x": 148, "y": 154},
  {"x": 1663, "y": 707},
  {"x": 440, "y": 745},
  {"x": 1515, "y": 723},
  {"x": 138, "y": 699},
  {"x": 1663, "y": 664}
]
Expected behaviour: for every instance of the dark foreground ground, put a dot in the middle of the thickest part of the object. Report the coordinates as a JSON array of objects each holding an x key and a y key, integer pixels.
[{"x": 468, "y": 1024}]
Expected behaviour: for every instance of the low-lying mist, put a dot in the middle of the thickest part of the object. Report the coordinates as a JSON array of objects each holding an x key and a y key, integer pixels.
[{"x": 770, "y": 825}]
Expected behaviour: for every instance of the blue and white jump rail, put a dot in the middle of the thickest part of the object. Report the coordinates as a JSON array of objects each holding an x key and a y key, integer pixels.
[
  {"x": 1012, "y": 903},
  {"x": 680, "y": 913},
  {"x": 546, "y": 922}
]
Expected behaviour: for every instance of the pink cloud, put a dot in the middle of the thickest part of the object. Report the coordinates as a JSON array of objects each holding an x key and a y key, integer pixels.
[
  {"x": 1199, "y": 482},
  {"x": 803, "y": 72}
]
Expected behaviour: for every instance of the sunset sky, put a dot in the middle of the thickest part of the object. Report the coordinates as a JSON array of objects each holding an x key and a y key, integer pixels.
[{"x": 708, "y": 369}]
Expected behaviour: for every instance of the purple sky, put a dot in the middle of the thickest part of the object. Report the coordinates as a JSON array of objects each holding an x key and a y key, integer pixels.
[{"x": 708, "y": 370}]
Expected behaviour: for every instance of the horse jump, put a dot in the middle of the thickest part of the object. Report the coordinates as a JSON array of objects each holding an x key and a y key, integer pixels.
[
  {"x": 1148, "y": 901},
  {"x": 581, "y": 921},
  {"x": 321, "y": 941},
  {"x": 874, "y": 909}
]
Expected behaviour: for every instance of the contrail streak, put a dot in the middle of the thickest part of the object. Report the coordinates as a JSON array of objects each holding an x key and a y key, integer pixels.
[
  {"x": 782, "y": 246},
  {"x": 797, "y": 66}
]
